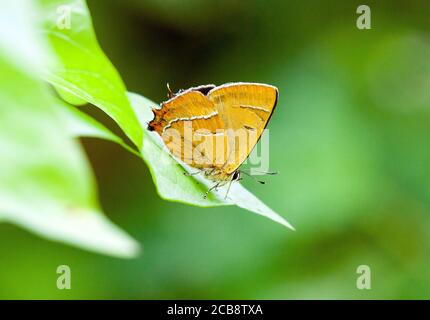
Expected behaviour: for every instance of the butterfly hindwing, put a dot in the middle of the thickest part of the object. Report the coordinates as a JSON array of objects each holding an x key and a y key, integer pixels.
[{"x": 246, "y": 109}]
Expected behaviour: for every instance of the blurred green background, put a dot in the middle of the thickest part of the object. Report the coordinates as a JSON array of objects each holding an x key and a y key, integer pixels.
[{"x": 350, "y": 138}]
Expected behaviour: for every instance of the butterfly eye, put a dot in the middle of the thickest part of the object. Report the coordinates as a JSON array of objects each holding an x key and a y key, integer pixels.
[{"x": 236, "y": 175}]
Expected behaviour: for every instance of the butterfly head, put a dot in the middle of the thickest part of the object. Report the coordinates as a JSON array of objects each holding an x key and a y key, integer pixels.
[{"x": 236, "y": 176}]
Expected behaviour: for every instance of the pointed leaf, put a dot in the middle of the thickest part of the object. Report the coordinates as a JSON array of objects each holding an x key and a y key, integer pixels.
[{"x": 173, "y": 185}]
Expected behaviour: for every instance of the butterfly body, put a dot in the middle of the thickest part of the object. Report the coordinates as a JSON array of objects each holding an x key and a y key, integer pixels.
[
  {"x": 214, "y": 128},
  {"x": 220, "y": 175}
]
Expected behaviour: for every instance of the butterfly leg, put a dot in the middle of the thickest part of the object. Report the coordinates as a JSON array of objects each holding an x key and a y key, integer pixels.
[
  {"x": 192, "y": 173},
  {"x": 233, "y": 179},
  {"x": 210, "y": 189}
]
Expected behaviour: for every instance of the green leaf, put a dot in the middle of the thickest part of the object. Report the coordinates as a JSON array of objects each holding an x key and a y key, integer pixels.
[
  {"x": 168, "y": 173},
  {"x": 173, "y": 185},
  {"x": 69, "y": 97},
  {"x": 83, "y": 71},
  {"x": 45, "y": 182},
  {"x": 46, "y": 185},
  {"x": 17, "y": 39},
  {"x": 86, "y": 73}
]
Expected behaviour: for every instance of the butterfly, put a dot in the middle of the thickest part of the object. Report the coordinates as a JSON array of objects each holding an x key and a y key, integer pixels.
[{"x": 215, "y": 128}]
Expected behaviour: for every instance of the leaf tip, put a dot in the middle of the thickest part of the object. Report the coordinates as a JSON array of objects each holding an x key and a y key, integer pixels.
[{"x": 286, "y": 224}]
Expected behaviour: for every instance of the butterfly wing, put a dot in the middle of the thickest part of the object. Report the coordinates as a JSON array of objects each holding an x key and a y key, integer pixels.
[
  {"x": 246, "y": 109},
  {"x": 191, "y": 128}
]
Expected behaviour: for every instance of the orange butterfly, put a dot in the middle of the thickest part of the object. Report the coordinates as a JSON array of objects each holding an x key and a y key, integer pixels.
[{"x": 214, "y": 128}]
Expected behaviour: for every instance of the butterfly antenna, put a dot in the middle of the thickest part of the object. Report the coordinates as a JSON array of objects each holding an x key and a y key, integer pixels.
[
  {"x": 259, "y": 181},
  {"x": 170, "y": 93},
  {"x": 263, "y": 172}
]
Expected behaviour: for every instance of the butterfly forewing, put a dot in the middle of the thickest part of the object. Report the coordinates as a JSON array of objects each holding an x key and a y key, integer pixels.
[{"x": 192, "y": 129}]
